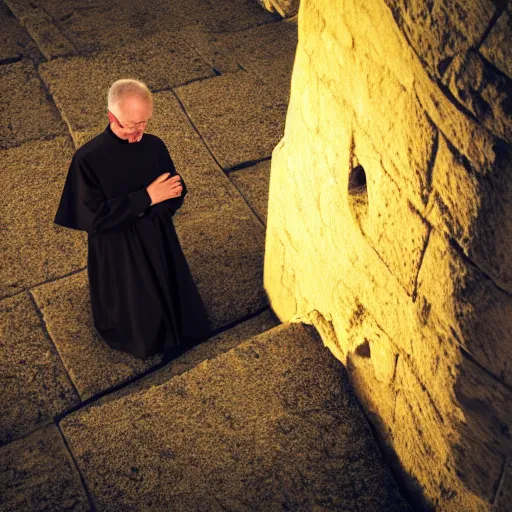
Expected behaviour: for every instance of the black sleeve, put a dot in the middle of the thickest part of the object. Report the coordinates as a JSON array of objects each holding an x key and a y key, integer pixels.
[{"x": 84, "y": 206}]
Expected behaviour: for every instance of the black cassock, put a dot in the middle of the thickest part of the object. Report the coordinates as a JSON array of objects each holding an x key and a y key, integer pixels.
[{"x": 143, "y": 297}]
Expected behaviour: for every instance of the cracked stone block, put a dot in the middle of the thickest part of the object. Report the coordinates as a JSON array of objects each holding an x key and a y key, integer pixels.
[
  {"x": 79, "y": 85},
  {"x": 393, "y": 227},
  {"x": 461, "y": 194},
  {"x": 35, "y": 385},
  {"x": 467, "y": 304},
  {"x": 27, "y": 111},
  {"x": 487, "y": 94},
  {"x": 253, "y": 183},
  {"x": 225, "y": 253},
  {"x": 240, "y": 118},
  {"x": 438, "y": 31},
  {"x": 38, "y": 473},
  {"x": 110, "y": 23},
  {"x": 33, "y": 249},
  {"x": 15, "y": 43},
  {"x": 496, "y": 47},
  {"x": 92, "y": 365},
  {"x": 277, "y": 404}
]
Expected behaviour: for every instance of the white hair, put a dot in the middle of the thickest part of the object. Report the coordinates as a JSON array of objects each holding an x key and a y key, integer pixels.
[{"x": 124, "y": 88}]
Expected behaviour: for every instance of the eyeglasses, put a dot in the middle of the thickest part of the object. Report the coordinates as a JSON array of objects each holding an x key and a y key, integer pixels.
[{"x": 142, "y": 124}]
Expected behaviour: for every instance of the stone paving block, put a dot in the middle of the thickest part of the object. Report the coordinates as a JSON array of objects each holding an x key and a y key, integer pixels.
[
  {"x": 47, "y": 36},
  {"x": 240, "y": 118},
  {"x": 209, "y": 349},
  {"x": 92, "y": 365},
  {"x": 225, "y": 254},
  {"x": 79, "y": 85},
  {"x": 268, "y": 51},
  {"x": 209, "y": 190},
  {"x": 38, "y": 473},
  {"x": 269, "y": 425},
  {"x": 15, "y": 43},
  {"x": 33, "y": 249},
  {"x": 27, "y": 111},
  {"x": 253, "y": 183},
  {"x": 35, "y": 385},
  {"x": 110, "y": 23}
]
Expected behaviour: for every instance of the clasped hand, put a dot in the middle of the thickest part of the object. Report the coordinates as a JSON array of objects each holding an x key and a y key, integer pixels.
[{"x": 165, "y": 187}]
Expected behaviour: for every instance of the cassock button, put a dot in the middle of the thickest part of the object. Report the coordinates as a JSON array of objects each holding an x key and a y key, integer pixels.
[{"x": 141, "y": 214}]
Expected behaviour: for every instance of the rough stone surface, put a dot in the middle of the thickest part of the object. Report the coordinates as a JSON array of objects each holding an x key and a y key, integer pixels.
[
  {"x": 79, "y": 85},
  {"x": 15, "y": 43},
  {"x": 225, "y": 254},
  {"x": 268, "y": 50},
  {"x": 253, "y": 182},
  {"x": 111, "y": 24},
  {"x": 276, "y": 405},
  {"x": 92, "y": 365},
  {"x": 209, "y": 349},
  {"x": 286, "y": 8},
  {"x": 496, "y": 47},
  {"x": 40, "y": 464},
  {"x": 240, "y": 118},
  {"x": 33, "y": 249},
  {"x": 209, "y": 190},
  {"x": 47, "y": 36},
  {"x": 27, "y": 112},
  {"x": 35, "y": 385},
  {"x": 392, "y": 235}
]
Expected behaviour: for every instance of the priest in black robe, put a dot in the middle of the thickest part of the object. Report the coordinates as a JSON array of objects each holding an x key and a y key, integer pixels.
[{"x": 122, "y": 189}]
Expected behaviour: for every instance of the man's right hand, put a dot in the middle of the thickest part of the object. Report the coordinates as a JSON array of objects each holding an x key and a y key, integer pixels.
[{"x": 165, "y": 187}]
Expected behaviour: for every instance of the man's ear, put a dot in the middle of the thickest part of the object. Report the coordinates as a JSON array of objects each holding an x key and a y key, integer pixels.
[{"x": 111, "y": 117}]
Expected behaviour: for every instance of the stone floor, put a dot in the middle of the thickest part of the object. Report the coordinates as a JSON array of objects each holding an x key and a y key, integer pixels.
[{"x": 260, "y": 417}]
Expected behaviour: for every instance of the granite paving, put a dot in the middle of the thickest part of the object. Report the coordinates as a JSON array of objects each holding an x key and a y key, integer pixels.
[
  {"x": 79, "y": 85},
  {"x": 35, "y": 385},
  {"x": 27, "y": 110},
  {"x": 15, "y": 43},
  {"x": 240, "y": 117},
  {"x": 270, "y": 425},
  {"x": 33, "y": 249},
  {"x": 40, "y": 465},
  {"x": 253, "y": 183}
]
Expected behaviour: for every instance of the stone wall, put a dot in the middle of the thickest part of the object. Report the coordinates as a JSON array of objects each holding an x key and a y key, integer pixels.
[{"x": 390, "y": 229}]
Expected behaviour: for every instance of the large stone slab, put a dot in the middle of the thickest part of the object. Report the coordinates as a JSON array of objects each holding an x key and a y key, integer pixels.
[
  {"x": 38, "y": 473},
  {"x": 110, "y": 23},
  {"x": 15, "y": 43},
  {"x": 35, "y": 385},
  {"x": 268, "y": 425},
  {"x": 92, "y": 365},
  {"x": 79, "y": 85},
  {"x": 209, "y": 349},
  {"x": 209, "y": 190},
  {"x": 268, "y": 50},
  {"x": 225, "y": 252},
  {"x": 240, "y": 118},
  {"x": 27, "y": 111},
  {"x": 253, "y": 183},
  {"x": 33, "y": 249}
]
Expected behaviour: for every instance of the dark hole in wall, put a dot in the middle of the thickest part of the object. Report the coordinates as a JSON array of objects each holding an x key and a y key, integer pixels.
[{"x": 357, "y": 180}]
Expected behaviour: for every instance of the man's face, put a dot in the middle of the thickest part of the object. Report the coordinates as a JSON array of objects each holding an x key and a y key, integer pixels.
[{"x": 132, "y": 118}]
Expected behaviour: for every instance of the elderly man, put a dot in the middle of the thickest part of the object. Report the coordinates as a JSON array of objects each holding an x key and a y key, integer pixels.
[{"x": 122, "y": 189}]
